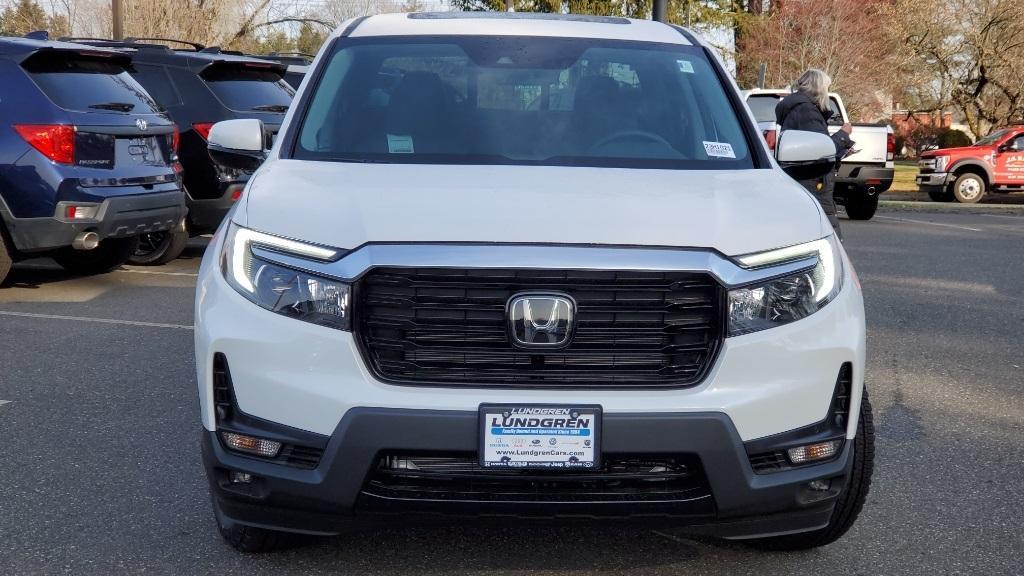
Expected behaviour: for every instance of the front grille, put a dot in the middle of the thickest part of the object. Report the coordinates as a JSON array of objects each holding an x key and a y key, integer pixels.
[
  {"x": 459, "y": 478},
  {"x": 447, "y": 327}
]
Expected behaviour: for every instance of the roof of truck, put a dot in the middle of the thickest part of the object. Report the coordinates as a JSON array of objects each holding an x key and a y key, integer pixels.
[{"x": 512, "y": 24}]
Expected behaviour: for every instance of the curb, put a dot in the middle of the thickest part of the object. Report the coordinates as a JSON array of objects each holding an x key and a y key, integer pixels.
[{"x": 950, "y": 208}]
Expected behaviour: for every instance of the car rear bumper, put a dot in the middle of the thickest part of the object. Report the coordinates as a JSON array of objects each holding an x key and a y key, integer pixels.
[
  {"x": 117, "y": 217},
  {"x": 343, "y": 491},
  {"x": 206, "y": 214},
  {"x": 865, "y": 177}
]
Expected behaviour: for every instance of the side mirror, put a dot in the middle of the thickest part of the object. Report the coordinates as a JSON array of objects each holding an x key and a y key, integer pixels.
[
  {"x": 237, "y": 144},
  {"x": 805, "y": 155}
]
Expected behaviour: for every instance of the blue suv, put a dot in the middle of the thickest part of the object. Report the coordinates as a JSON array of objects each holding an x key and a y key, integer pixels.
[{"x": 88, "y": 159}]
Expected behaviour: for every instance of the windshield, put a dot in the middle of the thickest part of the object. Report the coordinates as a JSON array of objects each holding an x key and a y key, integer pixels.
[
  {"x": 992, "y": 138},
  {"x": 248, "y": 88},
  {"x": 84, "y": 83},
  {"x": 763, "y": 106},
  {"x": 516, "y": 100}
]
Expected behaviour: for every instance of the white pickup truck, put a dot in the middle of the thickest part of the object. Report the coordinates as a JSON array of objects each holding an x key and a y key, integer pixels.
[{"x": 863, "y": 175}]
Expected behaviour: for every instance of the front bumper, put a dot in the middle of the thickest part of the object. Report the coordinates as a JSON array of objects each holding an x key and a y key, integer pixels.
[
  {"x": 334, "y": 497},
  {"x": 117, "y": 217},
  {"x": 299, "y": 380},
  {"x": 933, "y": 181}
]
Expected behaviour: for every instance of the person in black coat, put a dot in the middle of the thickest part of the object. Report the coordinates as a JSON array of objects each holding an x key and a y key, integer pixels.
[{"x": 807, "y": 108}]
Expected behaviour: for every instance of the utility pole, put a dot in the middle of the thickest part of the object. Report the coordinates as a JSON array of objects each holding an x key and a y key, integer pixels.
[
  {"x": 117, "y": 15},
  {"x": 660, "y": 11}
]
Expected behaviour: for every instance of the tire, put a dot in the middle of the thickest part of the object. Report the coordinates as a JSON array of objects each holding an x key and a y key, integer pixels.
[
  {"x": 159, "y": 248},
  {"x": 850, "y": 501},
  {"x": 110, "y": 254},
  {"x": 969, "y": 188},
  {"x": 940, "y": 196},
  {"x": 250, "y": 539},
  {"x": 6, "y": 261},
  {"x": 861, "y": 206}
]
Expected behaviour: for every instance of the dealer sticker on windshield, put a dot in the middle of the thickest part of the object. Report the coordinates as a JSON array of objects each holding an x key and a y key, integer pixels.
[
  {"x": 542, "y": 437},
  {"x": 719, "y": 149}
]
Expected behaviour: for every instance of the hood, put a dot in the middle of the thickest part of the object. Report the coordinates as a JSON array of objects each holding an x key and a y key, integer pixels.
[
  {"x": 346, "y": 205},
  {"x": 960, "y": 150}
]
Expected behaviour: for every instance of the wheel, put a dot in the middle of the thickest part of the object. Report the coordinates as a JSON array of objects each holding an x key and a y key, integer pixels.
[
  {"x": 969, "y": 188},
  {"x": 861, "y": 206},
  {"x": 159, "y": 248},
  {"x": 940, "y": 195},
  {"x": 110, "y": 254},
  {"x": 5, "y": 260},
  {"x": 850, "y": 502},
  {"x": 251, "y": 539}
]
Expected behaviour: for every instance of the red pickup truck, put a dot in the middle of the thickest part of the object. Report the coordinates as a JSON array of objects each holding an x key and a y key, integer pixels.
[{"x": 993, "y": 164}]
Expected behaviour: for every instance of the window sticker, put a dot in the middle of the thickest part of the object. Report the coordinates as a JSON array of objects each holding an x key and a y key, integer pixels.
[
  {"x": 719, "y": 149},
  {"x": 399, "y": 144},
  {"x": 685, "y": 66}
]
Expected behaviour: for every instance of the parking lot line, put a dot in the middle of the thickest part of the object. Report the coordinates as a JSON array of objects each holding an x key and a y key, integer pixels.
[
  {"x": 2, "y": 402},
  {"x": 156, "y": 272},
  {"x": 957, "y": 226},
  {"x": 96, "y": 320}
]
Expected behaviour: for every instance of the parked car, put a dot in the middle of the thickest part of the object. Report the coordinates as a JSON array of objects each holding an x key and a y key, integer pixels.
[
  {"x": 864, "y": 174},
  {"x": 297, "y": 63},
  {"x": 440, "y": 297},
  {"x": 993, "y": 164},
  {"x": 199, "y": 86},
  {"x": 86, "y": 157}
]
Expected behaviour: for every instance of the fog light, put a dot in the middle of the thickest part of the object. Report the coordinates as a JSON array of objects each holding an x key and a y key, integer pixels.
[
  {"x": 240, "y": 477},
  {"x": 812, "y": 452},
  {"x": 820, "y": 485},
  {"x": 250, "y": 445}
]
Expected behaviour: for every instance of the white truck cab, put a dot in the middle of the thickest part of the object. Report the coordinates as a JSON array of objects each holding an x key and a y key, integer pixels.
[{"x": 534, "y": 266}]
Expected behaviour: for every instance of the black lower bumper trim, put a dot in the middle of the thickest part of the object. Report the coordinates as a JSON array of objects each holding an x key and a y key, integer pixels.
[
  {"x": 331, "y": 498},
  {"x": 117, "y": 217}
]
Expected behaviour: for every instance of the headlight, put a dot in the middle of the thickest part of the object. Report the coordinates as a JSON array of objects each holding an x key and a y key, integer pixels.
[
  {"x": 786, "y": 299},
  {"x": 940, "y": 163},
  {"x": 280, "y": 289}
]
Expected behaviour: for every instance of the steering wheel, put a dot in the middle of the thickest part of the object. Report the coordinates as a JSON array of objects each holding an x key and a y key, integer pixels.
[{"x": 632, "y": 135}]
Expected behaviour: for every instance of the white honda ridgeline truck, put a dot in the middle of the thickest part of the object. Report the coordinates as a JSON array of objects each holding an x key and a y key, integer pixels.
[{"x": 535, "y": 266}]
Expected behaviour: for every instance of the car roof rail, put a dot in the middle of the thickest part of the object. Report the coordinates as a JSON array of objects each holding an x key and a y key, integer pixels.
[
  {"x": 196, "y": 46},
  {"x": 298, "y": 54},
  {"x": 219, "y": 50},
  {"x": 38, "y": 35}
]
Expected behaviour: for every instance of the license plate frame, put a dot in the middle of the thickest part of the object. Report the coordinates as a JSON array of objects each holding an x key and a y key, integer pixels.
[{"x": 567, "y": 438}]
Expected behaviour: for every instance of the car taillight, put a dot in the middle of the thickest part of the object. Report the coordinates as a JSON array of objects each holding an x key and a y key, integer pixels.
[
  {"x": 769, "y": 137},
  {"x": 890, "y": 146},
  {"x": 55, "y": 141},
  {"x": 175, "y": 139},
  {"x": 203, "y": 129}
]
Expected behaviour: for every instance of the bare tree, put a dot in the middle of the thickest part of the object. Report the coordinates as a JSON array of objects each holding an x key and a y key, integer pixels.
[
  {"x": 841, "y": 37},
  {"x": 969, "y": 55}
]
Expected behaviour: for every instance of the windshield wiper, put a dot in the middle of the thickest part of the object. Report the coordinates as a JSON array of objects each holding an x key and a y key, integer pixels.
[
  {"x": 270, "y": 108},
  {"x": 118, "y": 106}
]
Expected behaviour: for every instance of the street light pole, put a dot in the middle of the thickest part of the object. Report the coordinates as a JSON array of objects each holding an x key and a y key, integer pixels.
[
  {"x": 660, "y": 11},
  {"x": 117, "y": 15}
]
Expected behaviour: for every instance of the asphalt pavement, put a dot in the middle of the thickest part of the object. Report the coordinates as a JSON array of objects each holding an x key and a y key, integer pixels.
[{"x": 100, "y": 470}]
